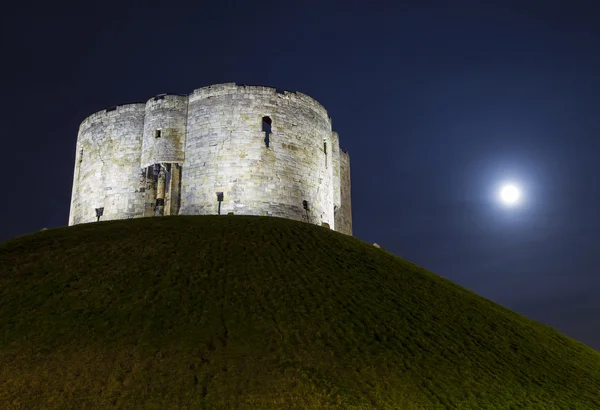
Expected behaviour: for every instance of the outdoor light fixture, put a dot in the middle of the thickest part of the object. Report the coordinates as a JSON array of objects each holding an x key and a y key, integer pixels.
[
  {"x": 99, "y": 212},
  {"x": 220, "y": 199},
  {"x": 305, "y": 206}
]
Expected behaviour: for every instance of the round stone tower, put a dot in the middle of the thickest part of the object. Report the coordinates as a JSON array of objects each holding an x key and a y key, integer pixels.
[
  {"x": 222, "y": 149},
  {"x": 107, "y": 165}
]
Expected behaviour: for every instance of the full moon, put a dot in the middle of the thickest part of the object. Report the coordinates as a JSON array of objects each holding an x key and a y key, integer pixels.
[{"x": 510, "y": 194}]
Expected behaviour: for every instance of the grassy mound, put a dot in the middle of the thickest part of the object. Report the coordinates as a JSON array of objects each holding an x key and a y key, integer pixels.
[{"x": 250, "y": 312}]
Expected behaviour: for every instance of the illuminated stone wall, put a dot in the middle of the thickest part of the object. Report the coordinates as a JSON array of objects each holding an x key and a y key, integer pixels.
[
  {"x": 264, "y": 152},
  {"x": 343, "y": 218},
  {"x": 107, "y": 165},
  {"x": 167, "y": 115}
]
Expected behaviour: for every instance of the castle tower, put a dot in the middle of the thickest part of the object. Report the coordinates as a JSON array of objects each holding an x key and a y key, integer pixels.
[
  {"x": 245, "y": 150},
  {"x": 163, "y": 153}
]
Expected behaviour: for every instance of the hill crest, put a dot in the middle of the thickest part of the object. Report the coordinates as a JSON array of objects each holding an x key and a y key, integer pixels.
[{"x": 258, "y": 312}]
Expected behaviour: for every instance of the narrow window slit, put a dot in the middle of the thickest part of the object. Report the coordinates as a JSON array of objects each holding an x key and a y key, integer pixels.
[
  {"x": 266, "y": 127},
  {"x": 158, "y": 133}
]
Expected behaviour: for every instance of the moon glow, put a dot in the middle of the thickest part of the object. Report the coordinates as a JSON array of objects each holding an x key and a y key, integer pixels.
[{"x": 510, "y": 194}]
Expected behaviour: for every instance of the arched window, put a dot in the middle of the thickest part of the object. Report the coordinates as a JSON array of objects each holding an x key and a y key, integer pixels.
[{"x": 266, "y": 127}]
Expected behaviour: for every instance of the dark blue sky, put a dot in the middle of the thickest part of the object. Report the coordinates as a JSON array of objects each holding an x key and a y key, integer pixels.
[{"x": 437, "y": 103}]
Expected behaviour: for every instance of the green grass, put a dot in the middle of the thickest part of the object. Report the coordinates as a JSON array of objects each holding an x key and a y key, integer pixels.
[{"x": 250, "y": 312}]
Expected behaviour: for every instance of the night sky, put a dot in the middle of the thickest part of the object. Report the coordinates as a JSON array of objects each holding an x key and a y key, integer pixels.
[{"x": 436, "y": 102}]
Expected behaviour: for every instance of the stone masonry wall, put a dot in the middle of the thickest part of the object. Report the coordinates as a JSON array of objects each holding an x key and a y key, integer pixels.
[
  {"x": 216, "y": 140},
  {"x": 107, "y": 165},
  {"x": 166, "y": 114},
  {"x": 335, "y": 153},
  {"x": 226, "y": 152},
  {"x": 343, "y": 217}
]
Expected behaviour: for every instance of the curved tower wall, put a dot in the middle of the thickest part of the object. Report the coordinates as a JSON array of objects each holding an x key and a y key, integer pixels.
[
  {"x": 343, "y": 217},
  {"x": 164, "y": 130},
  {"x": 223, "y": 149},
  {"x": 163, "y": 153},
  {"x": 107, "y": 165},
  {"x": 226, "y": 152},
  {"x": 335, "y": 158}
]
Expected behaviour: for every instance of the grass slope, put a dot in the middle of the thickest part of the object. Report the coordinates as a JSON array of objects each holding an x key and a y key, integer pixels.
[{"x": 250, "y": 312}]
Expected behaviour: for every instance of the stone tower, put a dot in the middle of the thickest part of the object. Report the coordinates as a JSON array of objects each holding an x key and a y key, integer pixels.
[{"x": 222, "y": 149}]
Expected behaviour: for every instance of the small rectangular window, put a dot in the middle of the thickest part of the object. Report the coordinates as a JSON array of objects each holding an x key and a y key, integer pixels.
[{"x": 158, "y": 133}]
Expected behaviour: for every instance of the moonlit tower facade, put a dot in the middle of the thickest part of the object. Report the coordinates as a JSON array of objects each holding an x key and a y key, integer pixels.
[{"x": 222, "y": 149}]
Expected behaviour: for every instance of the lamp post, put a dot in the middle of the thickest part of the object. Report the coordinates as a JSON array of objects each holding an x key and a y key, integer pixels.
[
  {"x": 305, "y": 206},
  {"x": 220, "y": 199},
  {"x": 99, "y": 212}
]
